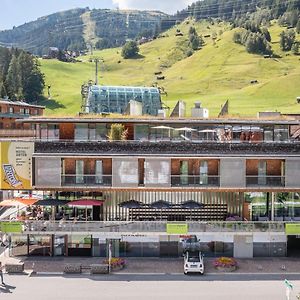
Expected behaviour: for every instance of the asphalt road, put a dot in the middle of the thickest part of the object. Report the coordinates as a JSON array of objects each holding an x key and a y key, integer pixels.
[{"x": 137, "y": 287}]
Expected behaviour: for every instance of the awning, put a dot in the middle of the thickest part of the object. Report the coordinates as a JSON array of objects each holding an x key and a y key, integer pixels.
[
  {"x": 160, "y": 205},
  {"x": 18, "y": 201},
  {"x": 191, "y": 205},
  {"x": 85, "y": 202},
  {"x": 26, "y": 201}
]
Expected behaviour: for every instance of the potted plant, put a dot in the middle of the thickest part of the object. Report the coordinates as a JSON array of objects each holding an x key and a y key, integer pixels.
[{"x": 226, "y": 264}]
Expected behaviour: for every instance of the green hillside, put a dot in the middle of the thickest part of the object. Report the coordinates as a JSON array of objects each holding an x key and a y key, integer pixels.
[{"x": 221, "y": 70}]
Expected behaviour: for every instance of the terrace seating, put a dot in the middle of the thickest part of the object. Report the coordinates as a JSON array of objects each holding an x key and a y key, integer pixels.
[{"x": 210, "y": 212}]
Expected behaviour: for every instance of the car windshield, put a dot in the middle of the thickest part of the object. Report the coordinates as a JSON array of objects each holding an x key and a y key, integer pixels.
[{"x": 194, "y": 259}]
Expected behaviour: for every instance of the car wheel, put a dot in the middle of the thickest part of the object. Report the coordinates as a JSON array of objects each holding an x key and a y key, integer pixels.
[
  {"x": 185, "y": 273},
  {"x": 201, "y": 273}
]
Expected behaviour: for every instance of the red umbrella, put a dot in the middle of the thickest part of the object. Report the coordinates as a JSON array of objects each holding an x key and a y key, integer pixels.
[{"x": 85, "y": 202}]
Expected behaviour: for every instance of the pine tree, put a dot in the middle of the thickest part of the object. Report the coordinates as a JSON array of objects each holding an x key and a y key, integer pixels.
[
  {"x": 298, "y": 27},
  {"x": 13, "y": 79}
]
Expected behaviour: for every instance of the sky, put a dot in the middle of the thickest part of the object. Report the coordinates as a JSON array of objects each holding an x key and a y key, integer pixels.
[{"x": 17, "y": 12}]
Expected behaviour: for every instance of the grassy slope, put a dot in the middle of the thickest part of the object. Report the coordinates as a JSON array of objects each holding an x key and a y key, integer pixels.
[{"x": 214, "y": 74}]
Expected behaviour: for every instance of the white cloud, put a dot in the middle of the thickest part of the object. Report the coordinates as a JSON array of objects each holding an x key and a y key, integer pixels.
[{"x": 168, "y": 6}]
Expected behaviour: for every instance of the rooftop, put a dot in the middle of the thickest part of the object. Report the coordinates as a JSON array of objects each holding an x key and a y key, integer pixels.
[{"x": 20, "y": 103}]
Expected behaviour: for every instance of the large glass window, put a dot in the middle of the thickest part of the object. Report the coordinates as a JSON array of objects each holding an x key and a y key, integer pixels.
[
  {"x": 53, "y": 132},
  {"x": 99, "y": 171},
  {"x": 262, "y": 172},
  {"x": 203, "y": 172},
  {"x": 141, "y": 132},
  {"x": 79, "y": 171},
  {"x": 184, "y": 172},
  {"x": 281, "y": 133},
  {"x": 101, "y": 132},
  {"x": 81, "y": 132}
]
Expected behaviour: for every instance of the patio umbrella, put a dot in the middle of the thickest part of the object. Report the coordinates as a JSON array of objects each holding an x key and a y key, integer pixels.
[
  {"x": 26, "y": 201},
  {"x": 9, "y": 203},
  {"x": 192, "y": 205},
  {"x": 130, "y": 204},
  {"x": 186, "y": 129},
  {"x": 208, "y": 130},
  {"x": 51, "y": 202},
  {"x": 160, "y": 205},
  {"x": 85, "y": 203},
  {"x": 162, "y": 127}
]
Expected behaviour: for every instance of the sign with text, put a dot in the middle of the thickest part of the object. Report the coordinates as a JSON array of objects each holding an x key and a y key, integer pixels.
[
  {"x": 15, "y": 161},
  {"x": 11, "y": 227},
  {"x": 292, "y": 229},
  {"x": 177, "y": 228}
]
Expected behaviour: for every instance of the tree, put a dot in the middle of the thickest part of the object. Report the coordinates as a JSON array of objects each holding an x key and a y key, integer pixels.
[
  {"x": 287, "y": 39},
  {"x": 130, "y": 50},
  {"x": 13, "y": 79},
  {"x": 295, "y": 48},
  {"x": 298, "y": 26},
  {"x": 117, "y": 132},
  {"x": 266, "y": 33}
]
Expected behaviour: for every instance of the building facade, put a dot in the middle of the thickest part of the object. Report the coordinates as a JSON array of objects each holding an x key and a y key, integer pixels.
[{"x": 233, "y": 183}]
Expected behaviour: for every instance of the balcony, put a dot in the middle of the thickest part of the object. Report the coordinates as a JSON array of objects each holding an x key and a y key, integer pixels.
[
  {"x": 86, "y": 180},
  {"x": 263, "y": 181},
  {"x": 17, "y": 133},
  {"x": 195, "y": 181}
]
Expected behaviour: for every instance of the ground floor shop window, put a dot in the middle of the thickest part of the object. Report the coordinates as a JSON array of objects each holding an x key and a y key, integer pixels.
[{"x": 79, "y": 245}]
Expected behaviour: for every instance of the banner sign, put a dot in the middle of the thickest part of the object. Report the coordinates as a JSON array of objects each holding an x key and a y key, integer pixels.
[
  {"x": 16, "y": 163},
  {"x": 11, "y": 227},
  {"x": 177, "y": 228},
  {"x": 292, "y": 229}
]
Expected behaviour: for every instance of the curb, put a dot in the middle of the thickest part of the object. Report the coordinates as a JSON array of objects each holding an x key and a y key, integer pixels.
[{"x": 158, "y": 274}]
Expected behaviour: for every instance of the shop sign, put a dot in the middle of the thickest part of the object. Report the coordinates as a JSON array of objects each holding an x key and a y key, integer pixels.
[
  {"x": 292, "y": 229},
  {"x": 177, "y": 228},
  {"x": 11, "y": 227},
  {"x": 15, "y": 161}
]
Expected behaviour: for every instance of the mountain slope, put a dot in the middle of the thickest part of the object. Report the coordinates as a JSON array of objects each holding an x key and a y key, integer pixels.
[
  {"x": 221, "y": 70},
  {"x": 77, "y": 28}
]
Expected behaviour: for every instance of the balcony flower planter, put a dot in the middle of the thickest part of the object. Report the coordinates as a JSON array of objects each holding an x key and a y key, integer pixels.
[
  {"x": 116, "y": 264},
  {"x": 225, "y": 264}
]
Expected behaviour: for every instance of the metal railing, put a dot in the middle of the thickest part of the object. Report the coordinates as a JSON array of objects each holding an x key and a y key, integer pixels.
[
  {"x": 265, "y": 181},
  {"x": 86, "y": 180},
  {"x": 195, "y": 180},
  {"x": 17, "y": 133},
  {"x": 137, "y": 227}
]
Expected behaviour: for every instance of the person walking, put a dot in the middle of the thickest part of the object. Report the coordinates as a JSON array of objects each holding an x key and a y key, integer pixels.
[{"x": 1, "y": 273}]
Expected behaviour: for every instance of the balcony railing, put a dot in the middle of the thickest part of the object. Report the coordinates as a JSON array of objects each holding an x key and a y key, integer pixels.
[
  {"x": 134, "y": 227},
  {"x": 271, "y": 181},
  {"x": 17, "y": 133},
  {"x": 197, "y": 181},
  {"x": 86, "y": 180}
]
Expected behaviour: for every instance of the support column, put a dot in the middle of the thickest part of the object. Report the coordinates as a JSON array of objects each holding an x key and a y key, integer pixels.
[{"x": 273, "y": 195}]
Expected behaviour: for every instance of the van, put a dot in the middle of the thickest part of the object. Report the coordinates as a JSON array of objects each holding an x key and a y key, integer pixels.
[{"x": 193, "y": 262}]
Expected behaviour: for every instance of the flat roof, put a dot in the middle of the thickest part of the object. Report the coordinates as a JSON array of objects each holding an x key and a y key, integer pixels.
[
  {"x": 182, "y": 121},
  {"x": 20, "y": 103}
]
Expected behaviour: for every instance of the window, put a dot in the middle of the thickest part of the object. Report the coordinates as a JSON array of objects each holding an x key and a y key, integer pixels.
[
  {"x": 11, "y": 110},
  {"x": 184, "y": 172},
  {"x": 81, "y": 132},
  {"x": 203, "y": 172},
  {"x": 262, "y": 171},
  {"x": 99, "y": 171},
  {"x": 27, "y": 111},
  {"x": 79, "y": 171}
]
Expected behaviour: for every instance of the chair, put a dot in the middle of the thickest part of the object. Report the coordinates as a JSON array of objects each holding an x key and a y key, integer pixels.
[
  {"x": 296, "y": 219},
  {"x": 278, "y": 219},
  {"x": 288, "y": 219}
]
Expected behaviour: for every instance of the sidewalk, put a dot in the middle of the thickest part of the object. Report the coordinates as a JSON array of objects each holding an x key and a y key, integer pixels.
[{"x": 157, "y": 265}]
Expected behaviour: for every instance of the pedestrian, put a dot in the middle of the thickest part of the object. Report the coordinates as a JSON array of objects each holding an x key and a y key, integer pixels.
[{"x": 1, "y": 273}]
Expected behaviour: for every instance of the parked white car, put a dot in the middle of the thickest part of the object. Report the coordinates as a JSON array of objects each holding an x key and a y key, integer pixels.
[{"x": 193, "y": 262}]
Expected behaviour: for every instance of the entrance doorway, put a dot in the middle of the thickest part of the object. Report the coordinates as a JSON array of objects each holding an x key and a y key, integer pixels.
[{"x": 293, "y": 246}]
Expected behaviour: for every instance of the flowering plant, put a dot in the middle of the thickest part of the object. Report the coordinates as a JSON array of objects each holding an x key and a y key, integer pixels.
[
  {"x": 116, "y": 262},
  {"x": 225, "y": 262}
]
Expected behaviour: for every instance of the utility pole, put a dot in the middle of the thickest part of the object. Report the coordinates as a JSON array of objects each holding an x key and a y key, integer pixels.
[
  {"x": 97, "y": 60},
  {"x": 96, "y": 73}
]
